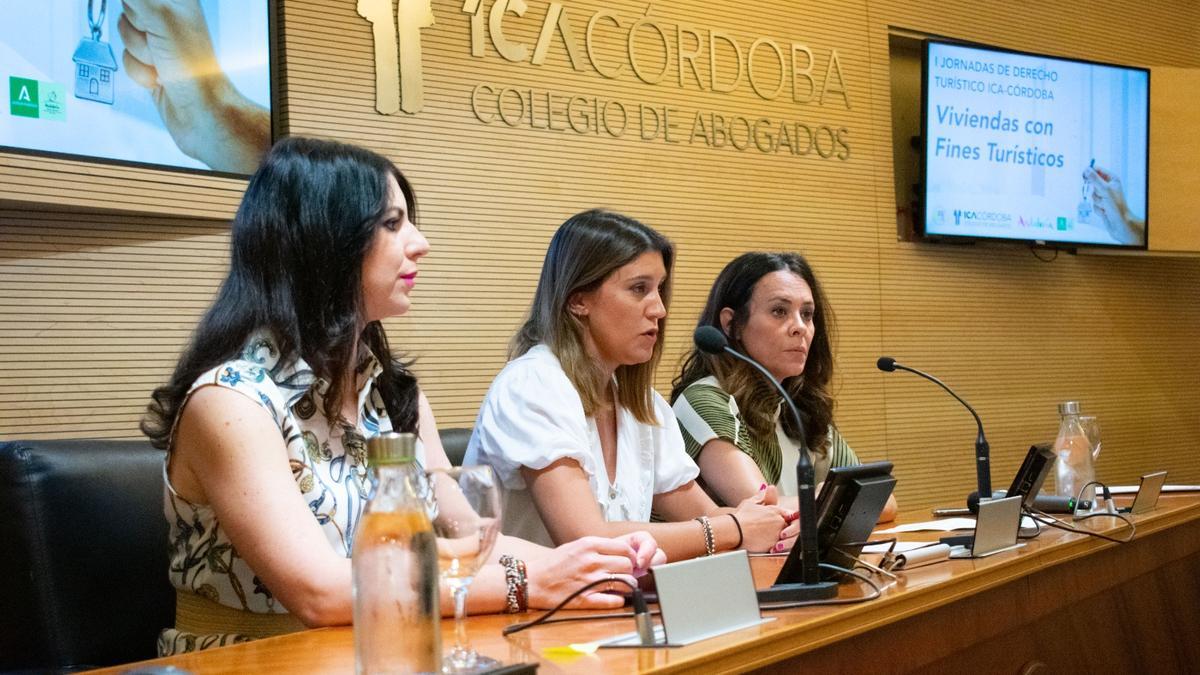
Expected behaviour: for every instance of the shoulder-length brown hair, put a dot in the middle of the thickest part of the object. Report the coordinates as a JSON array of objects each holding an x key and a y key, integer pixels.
[
  {"x": 585, "y": 250},
  {"x": 757, "y": 399}
]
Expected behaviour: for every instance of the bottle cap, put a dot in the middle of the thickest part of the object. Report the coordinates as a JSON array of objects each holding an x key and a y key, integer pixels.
[
  {"x": 1068, "y": 408},
  {"x": 392, "y": 448}
]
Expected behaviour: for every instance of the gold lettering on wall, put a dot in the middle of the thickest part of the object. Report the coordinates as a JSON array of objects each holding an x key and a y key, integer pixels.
[
  {"x": 555, "y": 111},
  {"x": 805, "y": 73},
  {"x": 513, "y": 51},
  {"x": 589, "y": 40},
  {"x": 475, "y": 9},
  {"x": 387, "y": 59},
  {"x": 399, "y": 78},
  {"x": 767, "y": 94},
  {"x": 651, "y": 78},
  {"x": 768, "y": 68},
  {"x": 556, "y": 17},
  {"x": 411, "y": 17},
  {"x": 713, "y": 36},
  {"x": 646, "y": 38},
  {"x": 688, "y": 55},
  {"x": 835, "y": 66}
]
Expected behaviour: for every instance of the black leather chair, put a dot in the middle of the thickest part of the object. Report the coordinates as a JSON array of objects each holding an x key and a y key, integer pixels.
[
  {"x": 83, "y": 554},
  {"x": 454, "y": 441}
]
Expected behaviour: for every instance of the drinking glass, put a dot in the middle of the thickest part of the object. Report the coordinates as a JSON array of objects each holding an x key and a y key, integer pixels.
[
  {"x": 465, "y": 510},
  {"x": 1091, "y": 429}
]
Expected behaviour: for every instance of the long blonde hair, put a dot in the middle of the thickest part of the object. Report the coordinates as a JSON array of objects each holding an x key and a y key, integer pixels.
[{"x": 585, "y": 250}]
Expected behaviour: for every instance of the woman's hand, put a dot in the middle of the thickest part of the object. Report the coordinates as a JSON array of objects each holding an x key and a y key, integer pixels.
[
  {"x": 564, "y": 570},
  {"x": 168, "y": 51},
  {"x": 646, "y": 551},
  {"x": 761, "y": 520},
  {"x": 1108, "y": 200},
  {"x": 787, "y": 537}
]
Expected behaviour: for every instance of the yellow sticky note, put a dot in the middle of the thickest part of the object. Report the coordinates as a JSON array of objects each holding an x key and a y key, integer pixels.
[{"x": 571, "y": 651}]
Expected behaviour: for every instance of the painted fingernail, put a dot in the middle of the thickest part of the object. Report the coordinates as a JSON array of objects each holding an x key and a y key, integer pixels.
[
  {"x": 778, "y": 547},
  {"x": 762, "y": 487}
]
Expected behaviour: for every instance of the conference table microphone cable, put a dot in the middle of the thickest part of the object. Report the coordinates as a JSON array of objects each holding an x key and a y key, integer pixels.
[
  {"x": 639, "y": 607},
  {"x": 876, "y": 591},
  {"x": 546, "y": 618},
  {"x": 1047, "y": 519}
]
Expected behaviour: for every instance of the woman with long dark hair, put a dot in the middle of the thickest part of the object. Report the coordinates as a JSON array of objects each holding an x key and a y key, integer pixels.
[
  {"x": 573, "y": 426},
  {"x": 289, "y": 371},
  {"x": 772, "y": 307}
]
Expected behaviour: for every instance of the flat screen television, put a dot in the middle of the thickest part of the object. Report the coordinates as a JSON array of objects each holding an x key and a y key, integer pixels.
[
  {"x": 73, "y": 86},
  {"x": 1033, "y": 148}
]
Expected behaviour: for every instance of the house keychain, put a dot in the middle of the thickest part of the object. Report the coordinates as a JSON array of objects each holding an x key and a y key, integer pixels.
[{"x": 94, "y": 62}]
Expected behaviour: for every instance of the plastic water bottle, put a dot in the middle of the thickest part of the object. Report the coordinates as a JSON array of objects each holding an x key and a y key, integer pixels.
[
  {"x": 395, "y": 567},
  {"x": 1074, "y": 465}
]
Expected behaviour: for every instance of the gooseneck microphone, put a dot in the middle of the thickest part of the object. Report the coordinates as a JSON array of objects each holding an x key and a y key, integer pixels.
[
  {"x": 712, "y": 341},
  {"x": 983, "y": 472}
]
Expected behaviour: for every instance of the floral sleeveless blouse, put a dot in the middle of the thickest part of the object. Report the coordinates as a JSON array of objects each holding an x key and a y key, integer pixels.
[{"x": 328, "y": 465}]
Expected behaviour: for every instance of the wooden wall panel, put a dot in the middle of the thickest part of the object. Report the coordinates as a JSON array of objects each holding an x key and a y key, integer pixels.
[
  {"x": 94, "y": 306},
  {"x": 1174, "y": 145}
]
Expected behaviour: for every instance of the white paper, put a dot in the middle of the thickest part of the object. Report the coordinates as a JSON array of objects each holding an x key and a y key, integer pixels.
[
  {"x": 1131, "y": 489},
  {"x": 944, "y": 525},
  {"x": 901, "y": 546},
  {"x": 939, "y": 525}
]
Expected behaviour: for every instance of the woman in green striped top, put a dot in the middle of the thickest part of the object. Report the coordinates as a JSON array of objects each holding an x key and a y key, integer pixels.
[{"x": 771, "y": 307}]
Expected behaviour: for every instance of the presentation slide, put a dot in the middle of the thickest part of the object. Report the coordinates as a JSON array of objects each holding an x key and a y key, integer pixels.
[
  {"x": 74, "y": 86},
  {"x": 1034, "y": 148}
]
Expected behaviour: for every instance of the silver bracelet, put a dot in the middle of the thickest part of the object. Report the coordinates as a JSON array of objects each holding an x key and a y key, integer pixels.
[
  {"x": 517, "y": 599},
  {"x": 710, "y": 547}
]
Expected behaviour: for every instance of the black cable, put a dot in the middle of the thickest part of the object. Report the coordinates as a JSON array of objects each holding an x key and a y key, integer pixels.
[
  {"x": 1047, "y": 519},
  {"x": 580, "y": 617},
  {"x": 876, "y": 592},
  {"x": 545, "y": 618},
  {"x": 1079, "y": 495},
  {"x": 1025, "y": 510},
  {"x": 1033, "y": 250}
]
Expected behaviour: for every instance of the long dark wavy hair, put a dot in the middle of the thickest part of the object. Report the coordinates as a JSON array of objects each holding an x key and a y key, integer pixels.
[
  {"x": 585, "y": 250},
  {"x": 305, "y": 224},
  {"x": 757, "y": 399}
]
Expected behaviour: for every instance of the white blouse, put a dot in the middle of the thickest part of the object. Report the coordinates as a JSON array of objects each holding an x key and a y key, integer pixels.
[{"x": 533, "y": 416}]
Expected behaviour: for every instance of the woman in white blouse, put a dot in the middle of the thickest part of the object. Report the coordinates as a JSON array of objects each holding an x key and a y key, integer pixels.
[{"x": 573, "y": 425}]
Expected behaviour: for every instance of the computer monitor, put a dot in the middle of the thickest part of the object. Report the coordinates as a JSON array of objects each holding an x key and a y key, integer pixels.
[
  {"x": 1021, "y": 147},
  {"x": 73, "y": 93},
  {"x": 1032, "y": 473},
  {"x": 848, "y": 507}
]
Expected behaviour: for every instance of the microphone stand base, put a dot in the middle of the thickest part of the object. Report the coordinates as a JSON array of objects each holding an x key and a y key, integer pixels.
[{"x": 822, "y": 590}]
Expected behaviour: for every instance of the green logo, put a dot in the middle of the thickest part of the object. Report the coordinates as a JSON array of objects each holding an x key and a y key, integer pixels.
[
  {"x": 1062, "y": 223},
  {"x": 23, "y": 97},
  {"x": 54, "y": 102}
]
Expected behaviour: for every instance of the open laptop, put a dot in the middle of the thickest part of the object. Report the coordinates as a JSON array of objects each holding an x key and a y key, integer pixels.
[{"x": 996, "y": 529}]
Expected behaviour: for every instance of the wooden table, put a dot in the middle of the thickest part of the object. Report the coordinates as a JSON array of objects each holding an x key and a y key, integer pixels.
[{"x": 1062, "y": 603}]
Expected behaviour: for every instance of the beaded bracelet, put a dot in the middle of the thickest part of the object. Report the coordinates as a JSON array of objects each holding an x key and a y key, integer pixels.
[
  {"x": 518, "y": 584},
  {"x": 710, "y": 547}
]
